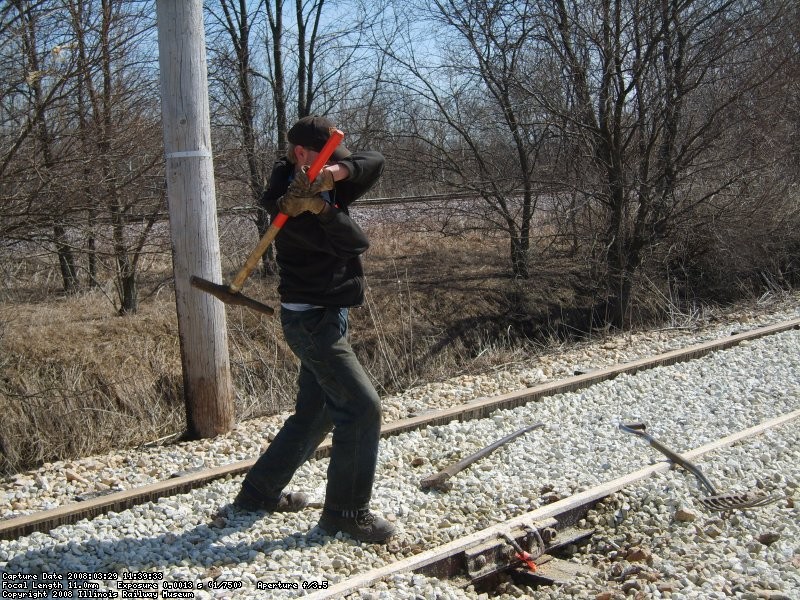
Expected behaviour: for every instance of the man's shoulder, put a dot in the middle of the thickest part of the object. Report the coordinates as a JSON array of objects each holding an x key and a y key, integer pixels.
[
  {"x": 281, "y": 171},
  {"x": 278, "y": 182},
  {"x": 282, "y": 168}
]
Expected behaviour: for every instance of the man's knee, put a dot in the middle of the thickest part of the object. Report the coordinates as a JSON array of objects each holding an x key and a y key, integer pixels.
[
  {"x": 362, "y": 407},
  {"x": 372, "y": 408}
]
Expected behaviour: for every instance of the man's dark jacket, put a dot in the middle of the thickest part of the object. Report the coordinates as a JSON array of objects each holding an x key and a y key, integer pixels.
[{"x": 319, "y": 256}]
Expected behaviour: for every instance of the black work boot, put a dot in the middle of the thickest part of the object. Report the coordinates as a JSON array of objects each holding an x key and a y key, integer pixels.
[
  {"x": 361, "y": 525},
  {"x": 248, "y": 499}
]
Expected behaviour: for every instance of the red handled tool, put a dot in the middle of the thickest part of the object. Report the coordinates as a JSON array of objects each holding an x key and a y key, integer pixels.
[
  {"x": 230, "y": 294},
  {"x": 520, "y": 552}
]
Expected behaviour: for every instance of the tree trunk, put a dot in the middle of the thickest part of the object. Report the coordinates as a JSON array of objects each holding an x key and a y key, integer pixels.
[
  {"x": 91, "y": 246},
  {"x": 66, "y": 260},
  {"x": 84, "y": 92},
  {"x": 268, "y": 266},
  {"x": 129, "y": 293},
  {"x": 208, "y": 389},
  {"x": 519, "y": 257},
  {"x": 126, "y": 273}
]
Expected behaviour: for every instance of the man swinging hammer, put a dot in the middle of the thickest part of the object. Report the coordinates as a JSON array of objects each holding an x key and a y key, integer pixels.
[{"x": 321, "y": 277}]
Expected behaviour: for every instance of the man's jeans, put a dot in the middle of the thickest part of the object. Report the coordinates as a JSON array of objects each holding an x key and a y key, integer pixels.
[{"x": 334, "y": 392}]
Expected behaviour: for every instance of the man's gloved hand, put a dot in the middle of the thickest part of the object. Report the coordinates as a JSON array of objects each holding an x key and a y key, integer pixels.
[
  {"x": 323, "y": 183},
  {"x": 295, "y": 203}
]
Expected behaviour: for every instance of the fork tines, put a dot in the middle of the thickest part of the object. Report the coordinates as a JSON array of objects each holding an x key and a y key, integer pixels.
[{"x": 738, "y": 501}]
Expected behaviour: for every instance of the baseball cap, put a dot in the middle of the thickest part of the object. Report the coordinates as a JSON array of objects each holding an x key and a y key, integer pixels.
[{"x": 312, "y": 132}]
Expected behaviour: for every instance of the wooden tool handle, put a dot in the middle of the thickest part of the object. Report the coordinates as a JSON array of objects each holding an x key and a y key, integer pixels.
[
  {"x": 336, "y": 137},
  {"x": 252, "y": 260}
]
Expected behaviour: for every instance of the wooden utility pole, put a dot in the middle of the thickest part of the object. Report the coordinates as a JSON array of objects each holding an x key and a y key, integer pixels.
[{"x": 207, "y": 386}]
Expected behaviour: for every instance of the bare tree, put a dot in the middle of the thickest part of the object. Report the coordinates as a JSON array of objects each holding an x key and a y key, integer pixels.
[
  {"x": 34, "y": 77},
  {"x": 115, "y": 111},
  {"x": 471, "y": 109},
  {"x": 312, "y": 46},
  {"x": 78, "y": 153},
  {"x": 275, "y": 73},
  {"x": 650, "y": 87},
  {"x": 236, "y": 19},
  {"x": 40, "y": 71},
  {"x": 236, "y": 73}
]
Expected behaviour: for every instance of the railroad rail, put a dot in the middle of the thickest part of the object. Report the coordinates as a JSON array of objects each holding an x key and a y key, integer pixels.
[
  {"x": 486, "y": 552},
  {"x": 118, "y": 501}
]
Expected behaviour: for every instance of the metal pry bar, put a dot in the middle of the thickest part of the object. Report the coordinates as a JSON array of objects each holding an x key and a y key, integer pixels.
[{"x": 439, "y": 480}]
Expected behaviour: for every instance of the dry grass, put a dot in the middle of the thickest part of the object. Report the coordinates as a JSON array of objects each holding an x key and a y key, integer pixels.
[{"x": 76, "y": 379}]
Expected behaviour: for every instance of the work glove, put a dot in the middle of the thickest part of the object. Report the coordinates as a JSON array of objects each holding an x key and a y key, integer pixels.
[
  {"x": 295, "y": 203},
  {"x": 323, "y": 183}
]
